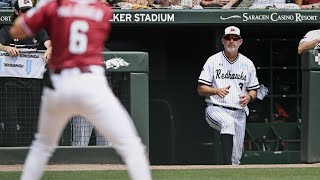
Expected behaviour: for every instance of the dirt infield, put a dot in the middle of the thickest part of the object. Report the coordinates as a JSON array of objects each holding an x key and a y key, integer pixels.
[{"x": 88, "y": 167}]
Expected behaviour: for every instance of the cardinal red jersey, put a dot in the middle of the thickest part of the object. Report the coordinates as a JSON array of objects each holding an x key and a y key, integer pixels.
[{"x": 78, "y": 30}]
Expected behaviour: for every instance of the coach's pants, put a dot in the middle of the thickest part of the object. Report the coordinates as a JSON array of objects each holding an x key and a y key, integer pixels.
[{"x": 229, "y": 122}]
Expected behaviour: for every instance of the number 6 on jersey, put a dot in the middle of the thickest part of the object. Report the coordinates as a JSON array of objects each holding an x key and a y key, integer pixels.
[{"x": 78, "y": 40}]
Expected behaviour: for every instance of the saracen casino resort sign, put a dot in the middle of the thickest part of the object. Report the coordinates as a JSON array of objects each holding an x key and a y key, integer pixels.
[{"x": 205, "y": 16}]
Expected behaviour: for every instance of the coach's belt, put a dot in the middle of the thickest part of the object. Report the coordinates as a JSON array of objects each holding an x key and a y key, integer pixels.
[
  {"x": 84, "y": 69},
  {"x": 230, "y": 108}
]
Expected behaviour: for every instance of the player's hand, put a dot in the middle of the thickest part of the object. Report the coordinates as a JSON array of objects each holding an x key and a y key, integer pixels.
[
  {"x": 12, "y": 51},
  {"x": 47, "y": 54},
  {"x": 244, "y": 99},
  {"x": 222, "y": 92}
]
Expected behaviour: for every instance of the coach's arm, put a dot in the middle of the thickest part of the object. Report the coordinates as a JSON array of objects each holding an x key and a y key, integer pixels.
[
  {"x": 252, "y": 94},
  {"x": 205, "y": 90},
  {"x": 249, "y": 97}
]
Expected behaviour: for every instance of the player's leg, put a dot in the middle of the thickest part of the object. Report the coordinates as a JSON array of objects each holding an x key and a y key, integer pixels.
[
  {"x": 111, "y": 119},
  {"x": 238, "y": 140},
  {"x": 52, "y": 121},
  {"x": 221, "y": 116}
]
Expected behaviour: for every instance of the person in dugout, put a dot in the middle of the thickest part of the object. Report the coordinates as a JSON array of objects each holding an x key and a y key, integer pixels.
[{"x": 20, "y": 97}]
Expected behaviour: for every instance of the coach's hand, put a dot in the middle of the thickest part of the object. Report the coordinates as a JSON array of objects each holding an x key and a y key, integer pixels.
[
  {"x": 222, "y": 92},
  {"x": 12, "y": 51},
  {"x": 244, "y": 99}
]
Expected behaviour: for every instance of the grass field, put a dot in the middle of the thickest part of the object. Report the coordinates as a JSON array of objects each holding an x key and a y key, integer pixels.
[{"x": 308, "y": 173}]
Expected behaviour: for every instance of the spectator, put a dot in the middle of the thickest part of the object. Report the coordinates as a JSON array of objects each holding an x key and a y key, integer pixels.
[
  {"x": 137, "y": 2},
  {"x": 8, "y": 44},
  {"x": 21, "y": 96},
  {"x": 186, "y": 3},
  {"x": 310, "y": 41},
  {"x": 308, "y": 4},
  {"x": 224, "y": 4},
  {"x": 270, "y": 4}
]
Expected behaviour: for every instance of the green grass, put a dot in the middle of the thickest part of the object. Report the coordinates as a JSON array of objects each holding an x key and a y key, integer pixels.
[{"x": 312, "y": 173}]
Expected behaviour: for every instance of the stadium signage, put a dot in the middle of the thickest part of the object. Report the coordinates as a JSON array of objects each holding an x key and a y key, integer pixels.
[
  {"x": 273, "y": 17},
  {"x": 144, "y": 17},
  {"x": 205, "y": 16},
  {"x": 5, "y": 18}
]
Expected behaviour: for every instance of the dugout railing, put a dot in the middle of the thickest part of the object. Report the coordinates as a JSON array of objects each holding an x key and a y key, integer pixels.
[{"x": 128, "y": 73}]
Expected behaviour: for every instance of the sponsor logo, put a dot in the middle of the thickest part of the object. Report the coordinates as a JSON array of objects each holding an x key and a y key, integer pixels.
[
  {"x": 28, "y": 66},
  {"x": 116, "y": 63},
  {"x": 230, "y": 17},
  {"x": 33, "y": 56},
  {"x": 274, "y": 17},
  {"x": 12, "y": 65},
  {"x": 243, "y": 67}
]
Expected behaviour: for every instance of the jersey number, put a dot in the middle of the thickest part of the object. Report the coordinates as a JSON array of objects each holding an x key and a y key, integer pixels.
[
  {"x": 241, "y": 86},
  {"x": 78, "y": 40}
]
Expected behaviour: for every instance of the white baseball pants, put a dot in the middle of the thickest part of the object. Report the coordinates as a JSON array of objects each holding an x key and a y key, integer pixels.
[
  {"x": 88, "y": 95},
  {"x": 229, "y": 122}
]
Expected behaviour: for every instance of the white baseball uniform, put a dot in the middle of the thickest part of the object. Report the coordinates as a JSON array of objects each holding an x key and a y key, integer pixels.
[
  {"x": 226, "y": 114},
  {"x": 310, "y": 36},
  {"x": 78, "y": 84}
]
